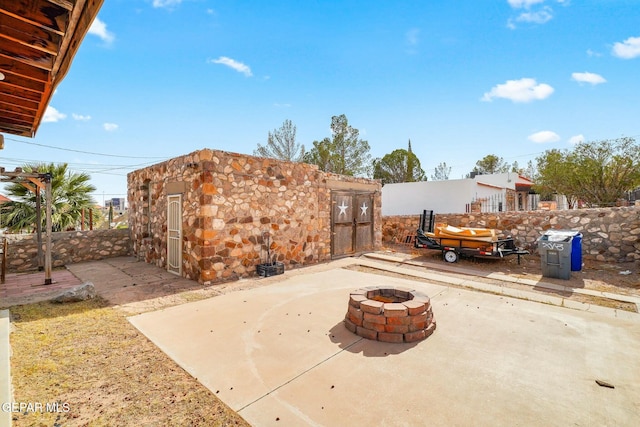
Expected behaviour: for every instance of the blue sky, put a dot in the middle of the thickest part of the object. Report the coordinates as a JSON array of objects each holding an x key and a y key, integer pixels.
[{"x": 156, "y": 79}]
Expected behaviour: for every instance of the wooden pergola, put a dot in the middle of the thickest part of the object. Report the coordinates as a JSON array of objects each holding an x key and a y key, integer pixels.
[{"x": 36, "y": 182}]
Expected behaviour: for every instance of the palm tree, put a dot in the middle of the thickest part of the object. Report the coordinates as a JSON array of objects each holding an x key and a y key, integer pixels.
[{"x": 70, "y": 194}]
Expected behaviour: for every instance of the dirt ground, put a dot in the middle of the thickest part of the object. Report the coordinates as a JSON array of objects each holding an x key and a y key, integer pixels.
[{"x": 620, "y": 278}]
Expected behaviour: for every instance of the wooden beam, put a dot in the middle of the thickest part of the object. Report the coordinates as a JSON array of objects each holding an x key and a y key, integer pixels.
[
  {"x": 7, "y": 63},
  {"x": 38, "y": 12},
  {"x": 19, "y": 174},
  {"x": 37, "y": 182},
  {"x": 28, "y": 186},
  {"x": 29, "y": 35}
]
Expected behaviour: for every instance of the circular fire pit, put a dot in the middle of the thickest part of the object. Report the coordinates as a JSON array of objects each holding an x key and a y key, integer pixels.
[{"x": 390, "y": 314}]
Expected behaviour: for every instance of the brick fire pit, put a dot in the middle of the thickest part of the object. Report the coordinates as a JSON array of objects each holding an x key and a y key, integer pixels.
[{"x": 390, "y": 314}]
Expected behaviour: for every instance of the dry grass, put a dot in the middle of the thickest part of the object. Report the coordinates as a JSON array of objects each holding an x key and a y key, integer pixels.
[{"x": 87, "y": 355}]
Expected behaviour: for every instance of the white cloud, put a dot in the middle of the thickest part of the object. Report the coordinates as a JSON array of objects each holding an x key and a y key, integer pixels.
[
  {"x": 539, "y": 17},
  {"x": 166, "y": 3},
  {"x": 526, "y": 4},
  {"x": 80, "y": 117},
  {"x": 628, "y": 49},
  {"x": 586, "y": 77},
  {"x": 51, "y": 115},
  {"x": 518, "y": 4},
  {"x": 593, "y": 53},
  {"x": 544, "y": 137},
  {"x": 232, "y": 63},
  {"x": 534, "y": 12},
  {"x": 110, "y": 127},
  {"x": 523, "y": 90},
  {"x": 99, "y": 28},
  {"x": 576, "y": 139}
]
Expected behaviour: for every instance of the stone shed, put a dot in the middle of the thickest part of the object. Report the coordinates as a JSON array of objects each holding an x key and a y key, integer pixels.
[{"x": 213, "y": 215}]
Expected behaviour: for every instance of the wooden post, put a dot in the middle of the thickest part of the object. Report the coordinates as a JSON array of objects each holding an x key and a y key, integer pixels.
[
  {"x": 90, "y": 219},
  {"x": 47, "y": 258},
  {"x": 39, "y": 228}
]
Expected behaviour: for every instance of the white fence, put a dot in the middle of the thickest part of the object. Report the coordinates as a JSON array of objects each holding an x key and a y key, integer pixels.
[{"x": 498, "y": 203}]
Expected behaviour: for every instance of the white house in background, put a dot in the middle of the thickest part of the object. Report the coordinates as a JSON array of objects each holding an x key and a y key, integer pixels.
[{"x": 482, "y": 193}]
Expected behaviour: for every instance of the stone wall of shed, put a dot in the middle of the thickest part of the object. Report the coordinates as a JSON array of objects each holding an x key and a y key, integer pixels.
[
  {"x": 609, "y": 234},
  {"x": 232, "y": 206}
]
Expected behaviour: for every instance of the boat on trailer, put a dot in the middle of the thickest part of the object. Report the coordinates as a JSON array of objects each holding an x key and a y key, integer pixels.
[{"x": 455, "y": 242}]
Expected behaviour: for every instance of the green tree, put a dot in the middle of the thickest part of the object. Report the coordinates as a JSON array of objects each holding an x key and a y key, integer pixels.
[
  {"x": 70, "y": 194},
  {"x": 441, "y": 172},
  {"x": 282, "y": 144},
  {"x": 322, "y": 155},
  {"x": 491, "y": 164},
  {"x": 398, "y": 166},
  {"x": 598, "y": 173},
  {"x": 345, "y": 153},
  {"x": 555, "y": 176}
]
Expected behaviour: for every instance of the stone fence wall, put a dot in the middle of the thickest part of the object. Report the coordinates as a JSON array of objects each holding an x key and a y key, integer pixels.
[
  {"x": 609, "y": 234},
  {"x": 68, "y": 247}
]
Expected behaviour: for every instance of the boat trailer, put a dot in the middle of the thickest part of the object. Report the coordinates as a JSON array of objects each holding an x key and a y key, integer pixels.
[{"x": 454, "y": 247}]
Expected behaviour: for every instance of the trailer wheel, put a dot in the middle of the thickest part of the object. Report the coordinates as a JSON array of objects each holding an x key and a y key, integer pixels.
[{"x": 450, "y": 256}]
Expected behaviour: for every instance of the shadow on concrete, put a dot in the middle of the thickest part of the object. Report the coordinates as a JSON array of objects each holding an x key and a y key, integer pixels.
[
  {"x": 543, "y": 287},
  {"x": 125, "y": 280},
  {"x": 355, "y": 344}
]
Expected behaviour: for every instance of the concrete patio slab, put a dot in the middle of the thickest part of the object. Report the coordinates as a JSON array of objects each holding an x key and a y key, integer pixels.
[{"x": 279, "y": 355}]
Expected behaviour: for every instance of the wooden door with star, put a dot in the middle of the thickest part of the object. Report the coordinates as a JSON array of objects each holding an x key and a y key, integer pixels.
[{"x": 351, "y": 223}]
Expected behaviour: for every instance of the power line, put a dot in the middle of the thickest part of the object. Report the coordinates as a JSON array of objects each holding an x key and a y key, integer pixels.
[
  {"x": 83, "y": 167},
  {"x": 83, "y": 152}
]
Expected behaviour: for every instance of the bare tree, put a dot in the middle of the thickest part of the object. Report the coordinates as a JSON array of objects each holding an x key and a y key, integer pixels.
[
  {"x": 442, "y": 172},
  {"x": 282, "y": 145}
]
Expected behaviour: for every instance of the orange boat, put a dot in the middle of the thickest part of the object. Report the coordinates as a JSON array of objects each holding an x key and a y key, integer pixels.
[
  {"x": 449, "y": 235},
  {"x": 463, "y": 241}
]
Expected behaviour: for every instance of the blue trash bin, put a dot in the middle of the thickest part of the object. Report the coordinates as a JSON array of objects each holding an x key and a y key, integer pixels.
[{"x": 576, "y": 252}]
